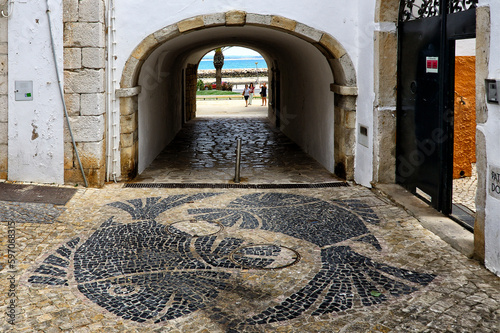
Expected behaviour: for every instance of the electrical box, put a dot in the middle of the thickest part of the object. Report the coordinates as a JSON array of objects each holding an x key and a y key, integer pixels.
[
  {"x": 492, "y": 90},
  {"x": 363, "y": 135},
  {"x": 24, "y": 90}
]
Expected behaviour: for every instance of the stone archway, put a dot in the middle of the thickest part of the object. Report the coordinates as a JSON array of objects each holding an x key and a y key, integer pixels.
[{"x": 344, "y": 86}]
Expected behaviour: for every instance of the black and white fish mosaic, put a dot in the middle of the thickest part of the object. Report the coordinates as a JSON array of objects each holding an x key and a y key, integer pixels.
[{"x": 146, "y": 271}]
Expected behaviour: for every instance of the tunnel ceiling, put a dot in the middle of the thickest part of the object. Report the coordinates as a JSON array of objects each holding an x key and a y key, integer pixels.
[{"x": 272, "y": 44}]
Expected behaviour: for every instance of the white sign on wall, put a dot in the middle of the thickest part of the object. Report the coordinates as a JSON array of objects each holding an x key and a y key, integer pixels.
[{"x": 494, "y": 182}]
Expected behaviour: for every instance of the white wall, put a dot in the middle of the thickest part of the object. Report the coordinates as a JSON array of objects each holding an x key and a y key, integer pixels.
[
  {"x": 491, "y": 130},
  {"x": 159, "y": 117},
  {"x": 465, "y": 47},
  {"x": 363, "y": 171},
  {"x": 36, "y": 144},
  {"x": 307, "y": 108}
]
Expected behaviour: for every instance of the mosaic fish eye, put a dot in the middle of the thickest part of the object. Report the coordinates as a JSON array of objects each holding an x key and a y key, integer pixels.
[{"x": 124, "y": 290}]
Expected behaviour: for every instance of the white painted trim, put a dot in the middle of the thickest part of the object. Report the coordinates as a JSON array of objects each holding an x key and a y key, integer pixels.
[{"x": 386, "y": 27}]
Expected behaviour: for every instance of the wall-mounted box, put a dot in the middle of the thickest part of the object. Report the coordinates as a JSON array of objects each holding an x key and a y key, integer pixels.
[
  {"x": 492, "y": 90},
  {"x": 363, "y": 135},
  {"x": 24, "y": 90}
]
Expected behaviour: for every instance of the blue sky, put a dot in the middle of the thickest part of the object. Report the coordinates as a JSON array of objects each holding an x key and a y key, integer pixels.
[{"x": 235, "y": 51}]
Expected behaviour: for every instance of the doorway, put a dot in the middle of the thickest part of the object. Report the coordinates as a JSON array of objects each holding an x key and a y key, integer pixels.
[
  {"x": 428, "y": 39},
  {"x": 464, "y": 134}
]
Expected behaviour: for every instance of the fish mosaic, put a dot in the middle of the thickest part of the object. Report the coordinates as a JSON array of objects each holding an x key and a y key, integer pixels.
[{"x": 146, "y": 271}]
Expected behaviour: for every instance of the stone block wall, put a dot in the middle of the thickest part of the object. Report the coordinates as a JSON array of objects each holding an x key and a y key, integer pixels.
[
  {"x": 483, "y": 37},
  {"x": 191, "y": 77},
  {"x": 345, "y": 134},
  {"x": 129, "y": 144},
  {"x": 84, "y": 88},
  {"x": 385, "y": 75},
  {"x": 3, "y": 97}
]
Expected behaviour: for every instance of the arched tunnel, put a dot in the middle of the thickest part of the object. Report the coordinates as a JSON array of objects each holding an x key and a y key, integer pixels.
[{"x": 302, "y": 75}]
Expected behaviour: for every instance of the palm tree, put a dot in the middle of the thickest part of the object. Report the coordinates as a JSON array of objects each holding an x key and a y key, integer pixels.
[{"x": 218, "y": 64}]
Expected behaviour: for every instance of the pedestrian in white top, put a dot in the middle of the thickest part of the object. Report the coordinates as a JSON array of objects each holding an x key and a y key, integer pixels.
[{"x": 246, "y": 94}]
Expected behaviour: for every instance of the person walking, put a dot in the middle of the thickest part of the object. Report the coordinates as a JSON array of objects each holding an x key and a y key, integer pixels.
[
  {"x": 246, "y": 94},
  {"x": 263, "y": 94},
  {"x": 252, "y": 89}
]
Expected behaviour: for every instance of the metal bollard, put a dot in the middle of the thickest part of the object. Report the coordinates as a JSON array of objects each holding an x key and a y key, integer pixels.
[{"x": 238, "y": 158}]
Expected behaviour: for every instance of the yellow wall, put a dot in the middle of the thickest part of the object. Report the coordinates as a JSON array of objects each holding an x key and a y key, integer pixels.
[{"x": 464, "y": 150}]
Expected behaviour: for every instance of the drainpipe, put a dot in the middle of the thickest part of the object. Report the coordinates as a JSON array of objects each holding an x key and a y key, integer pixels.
[
  {"x": 61, "y": 92},
  {"x": 112, "y": 114}
]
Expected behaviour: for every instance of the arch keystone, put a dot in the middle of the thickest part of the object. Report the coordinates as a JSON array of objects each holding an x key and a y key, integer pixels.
[
  {"x": 333, "y": 46},
  {"x": 258, "y": 19},
  {"x": 283, "y": 23},
  {"x": 236, "y": 17},
  {"x": 191, "y": 24}
]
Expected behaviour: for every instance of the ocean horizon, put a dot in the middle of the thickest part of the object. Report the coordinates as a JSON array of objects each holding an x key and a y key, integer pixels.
[{"x": 234, "y": 62}]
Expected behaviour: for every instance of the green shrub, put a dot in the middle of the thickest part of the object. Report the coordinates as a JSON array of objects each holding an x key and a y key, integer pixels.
[
  {"x": 227, "y": 86},
  {"x": 200, "y": 85}
]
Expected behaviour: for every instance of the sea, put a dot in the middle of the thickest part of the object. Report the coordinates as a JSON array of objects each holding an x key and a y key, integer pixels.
[{"x": 235, "y": 62}]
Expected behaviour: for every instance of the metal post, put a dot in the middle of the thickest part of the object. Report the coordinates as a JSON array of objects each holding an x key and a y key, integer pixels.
[
  {"x": 238, "y": 158},
  {"x": 257, "y": 72}
]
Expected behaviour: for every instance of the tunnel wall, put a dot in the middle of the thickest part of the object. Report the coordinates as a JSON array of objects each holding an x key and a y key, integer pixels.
[
  {"x": 307, "y": 110},
  {"x": 160, "y": 114}
]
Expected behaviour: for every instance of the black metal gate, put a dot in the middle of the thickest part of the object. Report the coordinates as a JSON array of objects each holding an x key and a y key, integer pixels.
[{"x": 427, "y": 31}]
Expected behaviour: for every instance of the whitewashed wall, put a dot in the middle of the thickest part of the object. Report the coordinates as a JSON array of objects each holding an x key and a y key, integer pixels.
[
  {"x": 491, "y": 130},
  {"x": 35, "y": 127},
  {"x": 365, "y": 68},
  {"x": 159, "y": 117},
  {"x": 307, "y": 108}
]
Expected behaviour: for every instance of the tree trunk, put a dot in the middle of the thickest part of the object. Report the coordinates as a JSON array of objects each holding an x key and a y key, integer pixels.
[{"x": 218, "y": 63}]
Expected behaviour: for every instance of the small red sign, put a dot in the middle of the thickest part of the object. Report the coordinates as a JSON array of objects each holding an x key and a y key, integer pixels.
[{"x": 431, "y": 64}]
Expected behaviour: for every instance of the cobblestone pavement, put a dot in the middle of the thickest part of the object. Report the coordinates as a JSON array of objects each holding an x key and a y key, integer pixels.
[
  {"x": 339, "y": 259},
  {"x": 186, "y": 260},
  {"x": 206, "y": 146},
  {"x": 464, "y": 190}
]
